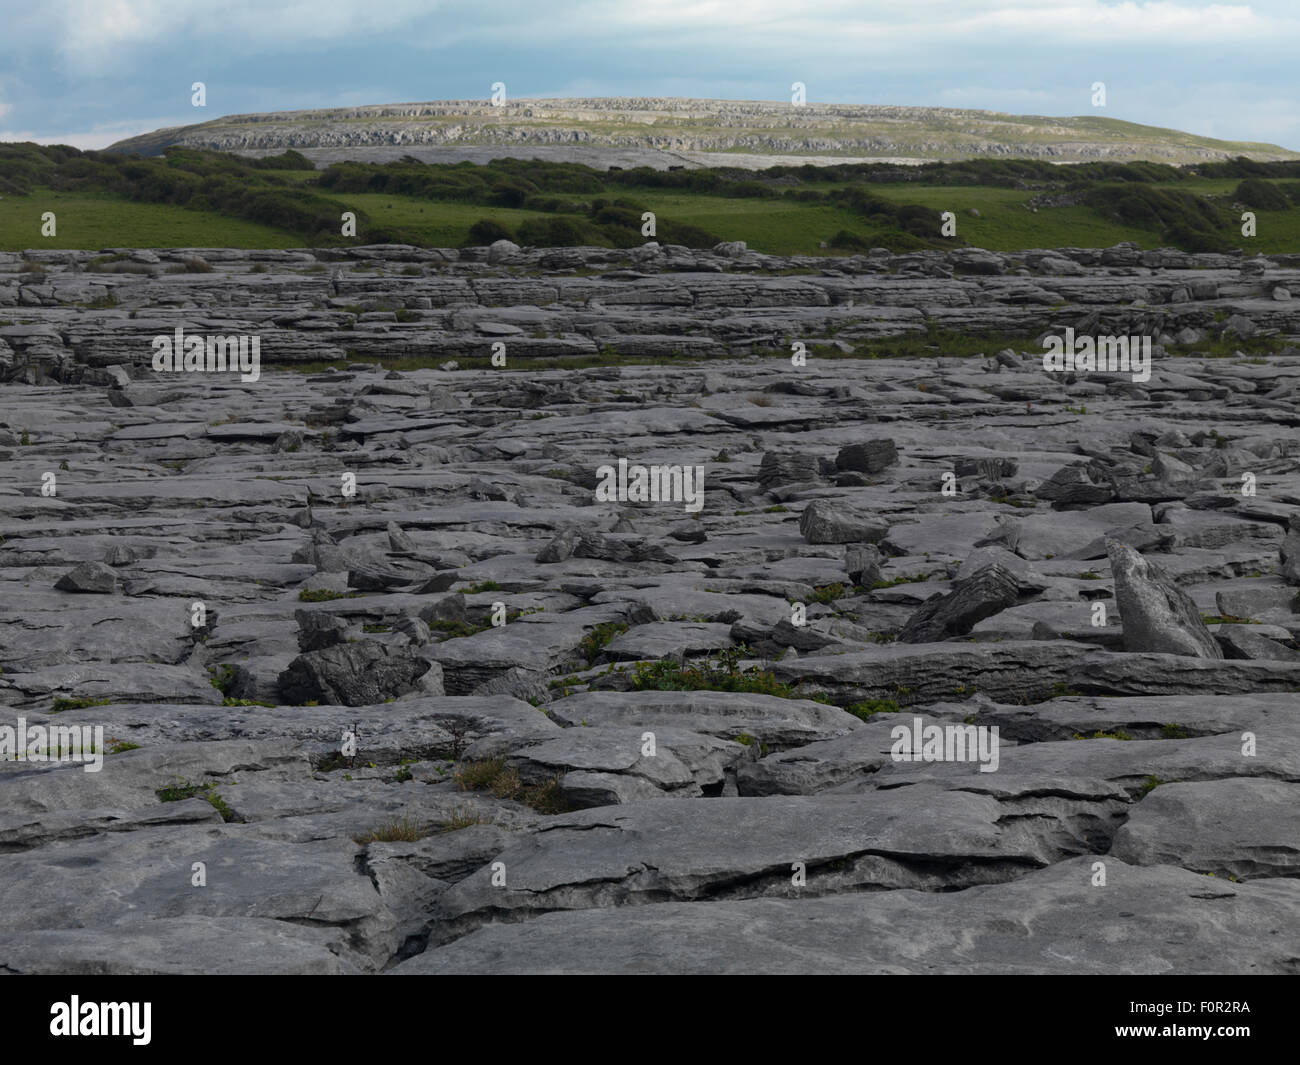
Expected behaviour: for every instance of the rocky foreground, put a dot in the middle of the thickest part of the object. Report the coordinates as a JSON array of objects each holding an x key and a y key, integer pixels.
[{"x": 385, "y": 687}]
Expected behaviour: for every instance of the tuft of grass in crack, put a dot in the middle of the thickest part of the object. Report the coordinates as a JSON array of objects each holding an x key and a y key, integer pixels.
[
  {"x": 398, "y": 830},
  {"x": 61, "y": 704},
  {"x": 503, "y": 782},
  {"x": 598, "y": 639},
  {"x": 324, "y": 595},
  {"x": 464, "y": 817},
  {"x": 869, "y": 708},
  {"x": 184, "y": 789}
]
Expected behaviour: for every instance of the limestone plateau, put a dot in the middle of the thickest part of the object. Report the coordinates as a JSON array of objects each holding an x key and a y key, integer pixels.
[
  {"x": 684, "y": 132},
  {"x": 949, "y": 525}
]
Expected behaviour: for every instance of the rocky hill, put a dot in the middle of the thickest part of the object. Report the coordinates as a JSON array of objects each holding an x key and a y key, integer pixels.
[{"x": 664, "y": 132}]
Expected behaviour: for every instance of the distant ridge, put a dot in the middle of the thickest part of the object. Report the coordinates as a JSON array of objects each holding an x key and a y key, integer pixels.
[{"x": 668, "y": 131}]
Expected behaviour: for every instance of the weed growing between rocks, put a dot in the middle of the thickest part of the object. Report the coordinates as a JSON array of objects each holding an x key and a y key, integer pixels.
[
  {"x": 185, "y": 789},
  {"x": 503, "y": 782},
  {"x": 722, "y": 674},
  {"x": 398, "y": 830}
]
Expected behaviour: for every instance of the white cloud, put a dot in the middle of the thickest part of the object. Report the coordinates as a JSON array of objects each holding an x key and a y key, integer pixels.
[
  {"x": 98, "y": 136},
  {"x": 93, "y": 36}
]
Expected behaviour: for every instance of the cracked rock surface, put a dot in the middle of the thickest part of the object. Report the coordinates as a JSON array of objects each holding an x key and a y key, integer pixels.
[{"x": 384, "y": 686}]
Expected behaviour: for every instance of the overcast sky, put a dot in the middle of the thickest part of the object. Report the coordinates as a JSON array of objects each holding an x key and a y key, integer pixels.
[{"x": 89, "y": 72}]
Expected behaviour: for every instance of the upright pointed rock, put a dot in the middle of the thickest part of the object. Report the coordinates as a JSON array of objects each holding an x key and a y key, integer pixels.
[{"x": 1157, "y": 615}]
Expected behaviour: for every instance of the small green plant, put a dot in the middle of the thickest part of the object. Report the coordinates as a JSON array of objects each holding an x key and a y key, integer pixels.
[
  {"x": 484, "y": 586},
  {"x": 1060, "y": 689},
  {"x": 324, "y": 595},
  {"x": 61, "y": 704},
  {"x": 503, "y": 782},
  {"x": 1148, "y": 786},
  {"x": 222, "y": 678},
  {"x": 1174, "y": 732},
  {"x": 454, "y": 628},
  {"x": 464, "y": 817},
  {"x": 598, "y": 639},
  {"x": 398, "y": 830},
  {"x": 1117, "y": 734},
  {"x": 220, "y": 805},
  {"x": 121, "y": 746},
  {"x": 479, "y": 776},
  {"x": 827, "y": 593},
  {"x": 722, "y": 674},
  {"x": 869, "y": 708}
]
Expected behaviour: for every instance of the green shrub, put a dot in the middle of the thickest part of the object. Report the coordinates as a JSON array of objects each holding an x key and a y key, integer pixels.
[
  {"x": 1261, "y": 194},
  {"x": 487, "y": 231}
]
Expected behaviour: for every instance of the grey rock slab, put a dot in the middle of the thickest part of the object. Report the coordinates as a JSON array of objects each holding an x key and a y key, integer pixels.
[
  {"x": 972, "y": 599},
  {"x": 130, "y": 780},
  {"x": 539, "y": 642},
  {"x": 664, "y": 639},
  {"x": 649, "y": 851},
  {"x": 1238, "y": 827},
  {"x": 1238, "y": 641},
  {"x": 1147, "y": 921},
  {"x": 94, "y": 883},
  {"x": 768, "y": 719},
  {"x": 1021, "y": 670},
  {"x": 825, "y": 521},
  {"x": 1151, "y": 717},
  {"x": 124, "y": 682},
  {"x": 1099, "y": 769},
  {"x": 176, "y": 946},
  {"x": 681, "y": 758},
  {"x": 822, "y": 764},
  {"x": 419, "y": 727},
  {"x": 353, "y": 674}
]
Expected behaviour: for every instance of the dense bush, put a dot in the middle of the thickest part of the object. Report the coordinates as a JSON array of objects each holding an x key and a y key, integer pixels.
[
  {"x": 562, "y": 231},
  {"x": 1261, "y": 194},
  {"x": 487, "y": 231}
]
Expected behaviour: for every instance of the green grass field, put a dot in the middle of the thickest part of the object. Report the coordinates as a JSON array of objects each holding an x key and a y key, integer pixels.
[
  {"x": 777, "y": 227},
  {"x": 97, "y": 220},
  {"x": 106, "y": 201}
]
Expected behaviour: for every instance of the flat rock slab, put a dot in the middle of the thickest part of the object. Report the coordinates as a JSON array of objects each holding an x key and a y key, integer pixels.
[
  {"x": 1243, "y": 828},
  {"x": 1145, "y": 921},
  {"x": 766, "y": 718},
  {"x": 708, "y": 848}
]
